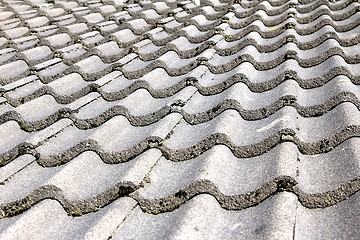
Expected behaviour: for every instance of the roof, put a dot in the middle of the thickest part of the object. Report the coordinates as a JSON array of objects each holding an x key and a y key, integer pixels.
[{"x": 183, "y": 120}]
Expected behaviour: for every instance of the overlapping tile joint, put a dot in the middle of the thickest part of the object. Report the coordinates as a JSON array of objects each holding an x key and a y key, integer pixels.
[{"x": 179, "y": 119}]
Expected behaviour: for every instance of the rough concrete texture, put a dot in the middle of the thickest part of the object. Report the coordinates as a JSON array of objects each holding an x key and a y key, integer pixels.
[{"x": 207, "y": 119}]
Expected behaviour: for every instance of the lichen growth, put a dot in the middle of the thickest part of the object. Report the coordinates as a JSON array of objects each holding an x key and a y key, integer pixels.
[
  {"x": 287, "y": 138},
  {"x": 147, "y": 179},
  {"x": 76, "y": 213}
]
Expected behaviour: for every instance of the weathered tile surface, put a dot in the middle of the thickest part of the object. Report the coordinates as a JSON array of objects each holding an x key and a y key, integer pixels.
[{"x": 203, "y": 119}]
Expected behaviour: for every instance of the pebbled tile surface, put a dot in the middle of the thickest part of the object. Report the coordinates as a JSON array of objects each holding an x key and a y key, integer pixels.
[{"x": 207, "y": 119}]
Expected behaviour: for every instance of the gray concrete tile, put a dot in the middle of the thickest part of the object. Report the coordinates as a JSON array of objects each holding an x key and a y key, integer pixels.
[
  {"x": 30, "y": 85},
  {"x": 340, "y": 221},
  {"x": 58, "y": 40},
  {"x": 68, "y": 5},
  {"x": 179, "y": 119},
  {"x": 73, "y": 51},
  {"x": 133, "y": 8},
  {"x": 306, "y": 129},
  {"x": 91, "y": 38},
  {"x": 138, "y": 25},
  {"x": 68, "y": 84},
  {"x": 5, "y": 15},
  {"x": 325, "y": 172},
  {"x": 183, "y": 44},
  {"x": 65, "y": 19},
  {"x": 172, "y": 26},
  {"x": 37, "y": 22},
  {"x": 146, "y": 47},
  {"x": 124, "y": 36},
  {"x": 107, "y": 27},
  {"x": 10, "y": 169},
  {"x": 6, "y": 54},
  {"x": 109, "y": 49},
  {"x": 91, "y": 65},
  {"x": 16, "y": 32},
  {"x": 106, "y": 9},
  {"x": 11, "y": 136},
  {"x": 19, "y": 83},
  {"x": 38, "y": 108},
  {"x": 52, "y": 70},
  {"x": 158, "y": 34},
  {"x": 160, "y": 7},
  {"x": 12, "y": 70},
  {"x": 151, "y": 14},
  {"x": 81, "y": 11},
  {"x": 54, "y": 12},
  {"x": 192, "y": 31},
  {"x": 77, "y": 28},
  {"x": 114, "y": 135},
  {"x": 3, "y": 41},
  {"x": 38, "y": 53},
  {"x": 250, "y": 100},
  {"x": 50, "y": 215},
  {"x": 139, "y": 103},
  {"x": 10, "y": 23},
  {"x": 230, "y": 174},
  {"x": 202, "y": 218},
  {"x": 121, "y": 16},
  {"x": 24, "y": 43},
  {"x": 46, "y": 31},
  {"x": 94, "y": 18},
  {"x": 75, "y": 183}
]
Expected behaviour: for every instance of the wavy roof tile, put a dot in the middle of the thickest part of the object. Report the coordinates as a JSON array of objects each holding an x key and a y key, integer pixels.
[{"x": 170, "y": 119}]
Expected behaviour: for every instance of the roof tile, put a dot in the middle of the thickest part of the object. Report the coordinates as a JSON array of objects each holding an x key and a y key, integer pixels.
[{"x": 185, "y": 119}]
